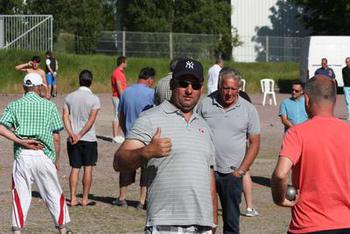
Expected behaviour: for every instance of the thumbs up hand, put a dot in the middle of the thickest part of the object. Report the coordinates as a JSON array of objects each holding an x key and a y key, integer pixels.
[{"x": 158, "y": 147}]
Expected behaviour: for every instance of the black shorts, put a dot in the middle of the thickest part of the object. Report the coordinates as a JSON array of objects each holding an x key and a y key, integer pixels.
[
  {"x": 128, "y": 177},
  {"x": 84, "y": 153}
]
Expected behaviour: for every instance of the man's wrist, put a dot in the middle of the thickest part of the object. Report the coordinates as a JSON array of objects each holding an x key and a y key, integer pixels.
[
  {"x": 146, "y": 153},
  {"x": 240, "y": 172}
]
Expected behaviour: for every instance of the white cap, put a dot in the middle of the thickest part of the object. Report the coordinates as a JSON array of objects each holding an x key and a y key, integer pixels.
[{"x": 32, "y": 79}]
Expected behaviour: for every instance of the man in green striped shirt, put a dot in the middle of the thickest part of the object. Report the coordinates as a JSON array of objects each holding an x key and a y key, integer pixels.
[{"x": 32, "y": 117}]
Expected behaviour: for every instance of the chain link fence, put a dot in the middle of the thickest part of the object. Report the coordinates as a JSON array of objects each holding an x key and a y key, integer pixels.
[
  {"x": 268, "y": 49},
  {"x": 147, "y": 44},
  {"x": 31, "y": 32}
]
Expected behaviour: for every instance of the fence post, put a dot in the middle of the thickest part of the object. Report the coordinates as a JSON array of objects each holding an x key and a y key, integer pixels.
[
  {"x": 267, "y": 49},
  {"x": 123, "y": 43},
  {"x": 51, "y": 33},
  {"x": 171, "y": 45},
  {"x": 2, "y": 32}
]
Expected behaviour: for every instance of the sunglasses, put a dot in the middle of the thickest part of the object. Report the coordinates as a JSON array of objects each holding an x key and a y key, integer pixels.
[
  {"x": 185, "y": 83},
  {"x": 296, "y": 90}
]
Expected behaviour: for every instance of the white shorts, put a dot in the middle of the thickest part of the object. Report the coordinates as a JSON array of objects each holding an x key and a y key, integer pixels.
[
  {"x": 115, "y": 101},
  {"x": 33, "y": 166}
]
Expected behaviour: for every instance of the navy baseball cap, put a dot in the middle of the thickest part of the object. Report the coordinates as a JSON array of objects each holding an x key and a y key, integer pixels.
[{"x": 189, "y": 67}]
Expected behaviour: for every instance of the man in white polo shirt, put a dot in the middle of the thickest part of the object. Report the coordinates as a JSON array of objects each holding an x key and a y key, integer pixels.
[
  {"x": 232, "y": 119},
  {"x": 175, "y": 143}
]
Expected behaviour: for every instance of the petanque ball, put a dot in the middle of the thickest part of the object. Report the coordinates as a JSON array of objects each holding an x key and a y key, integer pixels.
[{"x": 291, "y": 193}]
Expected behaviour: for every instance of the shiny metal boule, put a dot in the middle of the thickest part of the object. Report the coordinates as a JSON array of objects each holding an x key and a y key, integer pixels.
[{"x": 291, "y": 193}]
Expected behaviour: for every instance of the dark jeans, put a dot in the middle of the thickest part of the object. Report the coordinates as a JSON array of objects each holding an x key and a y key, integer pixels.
[{"x": 230, "y": 190}]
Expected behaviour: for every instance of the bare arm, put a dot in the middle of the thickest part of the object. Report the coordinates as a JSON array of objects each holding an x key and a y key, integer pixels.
[
  {"x": 56, "y": 142},
  {"x": 286, "y": 122},
  {"x": 119, "y": 87},
  {"x": 26, "y": 143},
  {"x": 24, "y": 66},
  {"x": 73, "y": 138},
  {"x": 251, "y": 153},
  {"x": 43, "y": 76},
  {"x": 279, "y": 182},
  {"x": 116, "y": 83},
  {"x": 133, "y": 153},
  {"x": 214, "y": 198}
]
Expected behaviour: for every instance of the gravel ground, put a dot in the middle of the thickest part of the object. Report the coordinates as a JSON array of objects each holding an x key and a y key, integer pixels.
[{"x": 106, "y": 218}]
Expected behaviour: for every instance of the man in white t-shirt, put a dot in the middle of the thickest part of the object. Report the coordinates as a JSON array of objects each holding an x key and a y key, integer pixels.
[{"x": 213, "y": 75}]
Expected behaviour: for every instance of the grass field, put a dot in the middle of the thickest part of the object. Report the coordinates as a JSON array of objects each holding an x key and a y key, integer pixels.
[{"x": 102, "y": 67}]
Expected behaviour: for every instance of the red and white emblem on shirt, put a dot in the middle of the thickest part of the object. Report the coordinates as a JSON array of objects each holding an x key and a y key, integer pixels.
[{"x": 201, "y": 130}]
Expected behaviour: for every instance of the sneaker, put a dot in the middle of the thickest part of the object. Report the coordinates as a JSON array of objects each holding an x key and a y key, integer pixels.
[
  {"x": 251, "y": 212},
  {"x": 118, "y": 139},
  {"x": 140, "y": 206},
  {"x": 121, "y": 203}
]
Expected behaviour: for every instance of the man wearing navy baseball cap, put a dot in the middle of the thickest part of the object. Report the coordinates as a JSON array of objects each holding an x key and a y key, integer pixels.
[{"x": 181, "y": 183}]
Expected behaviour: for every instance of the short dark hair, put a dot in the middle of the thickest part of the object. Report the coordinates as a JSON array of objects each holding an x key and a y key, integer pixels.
[
  {"x": 218, "y": 60},
  {"x": 299, "y": 83},
  {"x": 173, "y": 63},
  {"x": 85, "y": 78},
  {"x": 120, "y": 60},
  {"x": 147, "y": 72},
  {"x": 49, "y": 53},
  {"x": 36, "y": 59}
]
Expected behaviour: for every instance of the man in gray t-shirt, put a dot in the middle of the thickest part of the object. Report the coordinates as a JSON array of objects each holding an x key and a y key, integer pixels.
[
  {"x": 232, "y": 119},
  {"x": 79, "y": 115},
  {"x": 175, "y": 143}
]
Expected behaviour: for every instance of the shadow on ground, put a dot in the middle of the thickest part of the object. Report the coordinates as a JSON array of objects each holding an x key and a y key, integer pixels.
[
  {"x": 261, "y": 180},
  {"x": 109, "y": 139}
]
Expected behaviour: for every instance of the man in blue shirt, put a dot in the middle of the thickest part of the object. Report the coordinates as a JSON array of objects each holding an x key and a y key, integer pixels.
[
  {"x": 292, "y": 110},
  {"x": 135, "y": 99},
  {"x": 325, "y": 70}
]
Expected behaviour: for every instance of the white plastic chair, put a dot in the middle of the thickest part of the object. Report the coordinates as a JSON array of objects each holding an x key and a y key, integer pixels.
[
  {"x": 268, "y": 88},
  {"x": 242, "y": 85}
]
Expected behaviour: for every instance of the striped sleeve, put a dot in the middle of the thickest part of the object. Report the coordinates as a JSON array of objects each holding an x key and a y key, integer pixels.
[{"x": 142, "y": 130}]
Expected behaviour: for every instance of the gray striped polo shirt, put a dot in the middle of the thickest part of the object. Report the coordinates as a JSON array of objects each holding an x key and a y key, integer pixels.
[
  {"x": 179, "y": 184},
  {"x": 230, "y": 127}
]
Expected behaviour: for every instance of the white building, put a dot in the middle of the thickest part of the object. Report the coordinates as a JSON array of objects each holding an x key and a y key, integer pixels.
[{"x": 261, "y": 24}]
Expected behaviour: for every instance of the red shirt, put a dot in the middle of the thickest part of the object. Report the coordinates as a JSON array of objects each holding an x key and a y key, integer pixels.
[
  {"x": 320, "y": 151},
  {"x": 118, "y": 75}
]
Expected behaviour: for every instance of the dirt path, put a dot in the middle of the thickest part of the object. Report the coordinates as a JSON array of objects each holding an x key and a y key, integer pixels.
[{"x": 106, "y": 218}]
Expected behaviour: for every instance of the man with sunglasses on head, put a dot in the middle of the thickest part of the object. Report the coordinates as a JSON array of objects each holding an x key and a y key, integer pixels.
[
  {"x": 232, "y": 120},
  {"x": 175, "y": 143},
  {"x": 33, "y": 66},
  {"x": 292, "y": 110}
]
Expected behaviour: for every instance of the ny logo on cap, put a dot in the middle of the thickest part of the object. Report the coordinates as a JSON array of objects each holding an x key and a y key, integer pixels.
[{"x": 189, "y": 65}]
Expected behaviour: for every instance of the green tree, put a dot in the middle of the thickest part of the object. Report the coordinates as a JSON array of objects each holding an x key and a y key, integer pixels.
[
  {"x": 84, "y": 18},
  {"x": 183, "y": 16},
  {"x": 54, "y": 8},
  {"x": 324, "y": 17},
  {"x": 85, "y": 22},
  {"x": 11, "y": 6}
]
